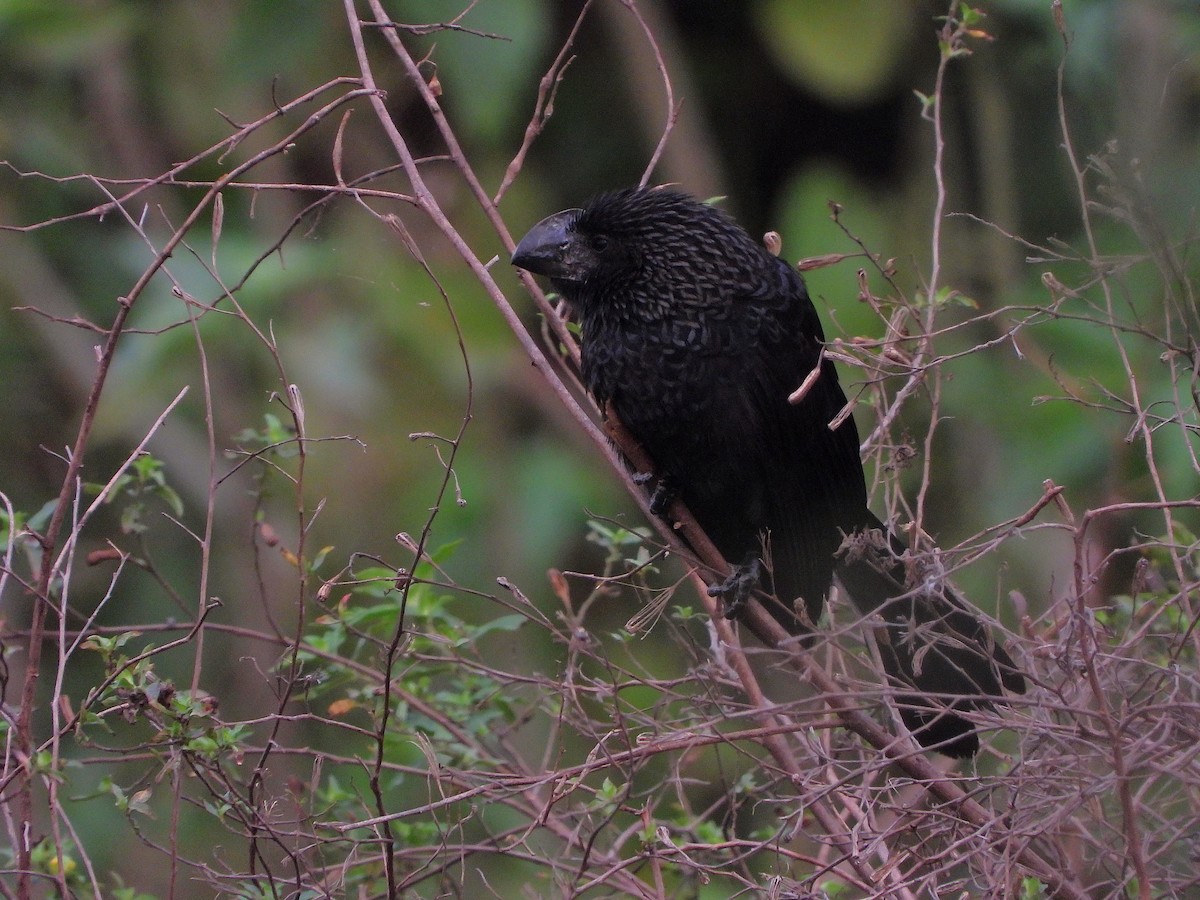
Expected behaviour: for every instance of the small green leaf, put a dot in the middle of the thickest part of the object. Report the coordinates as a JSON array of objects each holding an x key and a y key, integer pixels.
[{"x": 503, "y": 623}]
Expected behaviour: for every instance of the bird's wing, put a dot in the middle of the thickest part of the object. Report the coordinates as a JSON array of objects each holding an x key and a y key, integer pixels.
[{"x": 810, "y": 476}]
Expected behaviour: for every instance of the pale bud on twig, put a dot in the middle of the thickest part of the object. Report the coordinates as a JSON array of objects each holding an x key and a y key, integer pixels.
[
  {"x": 809, "y": 380},
  {"x": 819, "y": 262}
]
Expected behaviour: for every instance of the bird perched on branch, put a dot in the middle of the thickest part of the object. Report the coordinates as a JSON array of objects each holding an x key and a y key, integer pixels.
[{"x": 695, "y": 336}]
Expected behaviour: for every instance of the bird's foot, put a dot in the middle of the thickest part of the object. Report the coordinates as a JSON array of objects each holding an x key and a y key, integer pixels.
[
  {"x": 662, "y": 496},
  {"x": 735, "y": 590}
]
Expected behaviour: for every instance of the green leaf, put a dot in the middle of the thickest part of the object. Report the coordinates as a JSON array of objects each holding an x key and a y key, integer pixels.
[
  {"x": 503, "y": 623},
  {"x": 809, "y": 39}
]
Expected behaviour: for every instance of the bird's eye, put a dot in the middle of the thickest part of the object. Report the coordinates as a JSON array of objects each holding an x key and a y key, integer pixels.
[{"x": 599, "y": 243}]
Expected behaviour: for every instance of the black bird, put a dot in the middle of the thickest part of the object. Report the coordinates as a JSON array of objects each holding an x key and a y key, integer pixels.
[{"x": 695, "y": 335}]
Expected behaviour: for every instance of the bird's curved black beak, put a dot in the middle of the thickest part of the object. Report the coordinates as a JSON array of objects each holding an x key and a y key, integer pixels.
[{"x": 545, "y": 250}]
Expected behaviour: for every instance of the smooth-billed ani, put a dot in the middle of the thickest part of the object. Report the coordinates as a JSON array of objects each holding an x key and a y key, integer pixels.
[{"x": 695, "y": 335}]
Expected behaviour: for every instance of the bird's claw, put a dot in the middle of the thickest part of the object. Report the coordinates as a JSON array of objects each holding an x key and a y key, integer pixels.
[
  {"x": 662, "y": 496},
  {"x": 735, "y": 590}
]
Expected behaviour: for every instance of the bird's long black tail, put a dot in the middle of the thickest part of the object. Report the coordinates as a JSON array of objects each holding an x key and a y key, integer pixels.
[{"x": 935, "y": 650}]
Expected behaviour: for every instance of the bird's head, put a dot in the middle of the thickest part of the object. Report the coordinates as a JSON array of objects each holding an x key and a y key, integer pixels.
[
  {"x": 662, "y": 243},
  {"x": 612, "y": 240},
  {"x": 554, "y": 248},
  {"x": 582, "y": 251}
]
